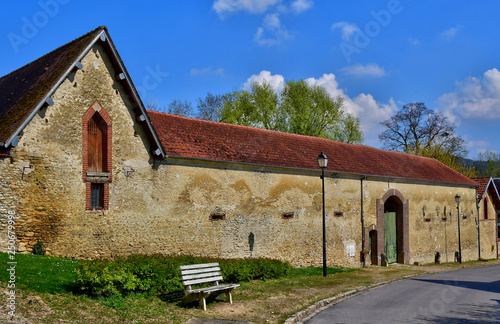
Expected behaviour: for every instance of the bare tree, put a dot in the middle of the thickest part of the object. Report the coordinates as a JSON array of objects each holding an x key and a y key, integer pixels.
[
  {"x": 209, "y": 107},
  {"x": 418, "y": 130},
  {"x": 180, "y": 108},
  {"x": 176, "y": 107}
]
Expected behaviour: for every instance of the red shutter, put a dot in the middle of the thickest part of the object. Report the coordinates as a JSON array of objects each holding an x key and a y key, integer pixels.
[{"x": 95, "y": 138}]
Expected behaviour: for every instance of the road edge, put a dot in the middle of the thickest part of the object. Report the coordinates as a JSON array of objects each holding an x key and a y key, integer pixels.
[{"x": 307, "y": 313}]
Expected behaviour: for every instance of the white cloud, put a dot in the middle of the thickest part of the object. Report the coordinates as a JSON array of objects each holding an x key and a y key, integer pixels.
[
  {"x": 227, "y": 7},
  {"x": 299, "y": 6},
  {"x": 414, "y": 41},
  {"x": 452, "y": 32},
  {"x": 272, "y": 31},
  {"x": 346, "y": 28},
  {"x": 206, "y": 70},
  {"x": 473, "y": 98},
  {"x": 370, "y": 70},
  {"x": 476, "y": 147},
  {"x": 277, "y": 81}
]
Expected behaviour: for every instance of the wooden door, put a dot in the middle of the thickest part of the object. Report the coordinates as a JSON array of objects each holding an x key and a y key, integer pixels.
[
  {"x": 390, "y": 237},
  {"x": 95, "y": 138}
]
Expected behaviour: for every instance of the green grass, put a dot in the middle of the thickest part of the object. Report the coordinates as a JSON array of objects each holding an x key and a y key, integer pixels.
[
  {"x": 317, "y": 271},
  {"x": 45, "y": 291},
  {"x": 41, "y": 273}
]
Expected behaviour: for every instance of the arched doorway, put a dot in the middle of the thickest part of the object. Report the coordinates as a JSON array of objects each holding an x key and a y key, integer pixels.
[
  {"x": 393, "y": 227},
  {"x": 393, "y": 231}
]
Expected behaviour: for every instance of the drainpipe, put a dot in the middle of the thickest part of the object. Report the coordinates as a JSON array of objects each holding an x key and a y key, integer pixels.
[
  {"x": 478, "y": 226},
  {"x": 363, "y": 224}
]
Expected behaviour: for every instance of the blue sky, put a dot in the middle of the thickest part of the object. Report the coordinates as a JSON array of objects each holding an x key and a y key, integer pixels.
[{"x": 377, "y": 55}]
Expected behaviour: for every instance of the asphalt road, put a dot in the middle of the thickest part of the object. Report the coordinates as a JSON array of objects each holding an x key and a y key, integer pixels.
[{"x": 462, "y": 296}]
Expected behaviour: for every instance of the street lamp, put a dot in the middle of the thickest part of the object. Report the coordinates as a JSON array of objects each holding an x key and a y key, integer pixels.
[
  {"x": 323, "y": 161},
  {"x": 457, "y": 200}
]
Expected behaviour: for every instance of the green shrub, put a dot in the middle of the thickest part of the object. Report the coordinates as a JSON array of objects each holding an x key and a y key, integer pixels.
[
  {"x": 38, "y": 248},
  {"x": 153, "y": 274}
]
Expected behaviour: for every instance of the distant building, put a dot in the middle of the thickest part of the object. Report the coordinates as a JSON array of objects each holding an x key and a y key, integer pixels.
[{"x": 489, "y": 208}]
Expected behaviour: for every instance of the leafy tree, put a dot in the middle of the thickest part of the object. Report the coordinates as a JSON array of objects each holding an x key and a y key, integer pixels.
[
  {"x": 415, "y": 129},
  {"x": 491, "y": 163},
  {"x": 454, "y": 162},
  {"x": 299, "y": 108}
]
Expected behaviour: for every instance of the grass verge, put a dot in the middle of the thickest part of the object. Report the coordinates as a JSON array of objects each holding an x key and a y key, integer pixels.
[{"x": 45, "y": 294}]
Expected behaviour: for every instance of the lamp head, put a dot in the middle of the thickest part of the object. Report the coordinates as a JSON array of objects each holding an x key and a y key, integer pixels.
[{"x": 322, "y": 160}]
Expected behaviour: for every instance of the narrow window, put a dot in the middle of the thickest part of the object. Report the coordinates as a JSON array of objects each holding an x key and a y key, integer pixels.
[
  {"x": 485, "y": 207},
  {"x": 95, "y": 145},
  {"x": 97, "y": 196}
]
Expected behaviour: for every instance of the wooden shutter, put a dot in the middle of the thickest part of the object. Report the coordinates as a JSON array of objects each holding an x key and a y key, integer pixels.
[{"x": 95, "y": 145}]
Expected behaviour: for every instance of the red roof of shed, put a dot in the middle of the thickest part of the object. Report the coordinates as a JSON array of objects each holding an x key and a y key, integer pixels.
[{"x": 195, "y": 138}]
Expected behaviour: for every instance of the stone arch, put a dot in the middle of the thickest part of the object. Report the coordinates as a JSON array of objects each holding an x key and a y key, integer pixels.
[{"x": 394, "y": 201}]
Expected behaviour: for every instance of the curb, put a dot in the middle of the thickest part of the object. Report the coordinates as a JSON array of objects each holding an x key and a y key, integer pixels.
[{"x": 312, "y": 310}]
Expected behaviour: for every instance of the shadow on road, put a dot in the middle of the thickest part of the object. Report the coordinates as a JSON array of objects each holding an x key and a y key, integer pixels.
[
  {"x": 493, "y": 287},
  {"x": 480, "y": 314}
]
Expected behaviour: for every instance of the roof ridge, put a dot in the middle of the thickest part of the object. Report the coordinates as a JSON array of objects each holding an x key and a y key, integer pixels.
[
  {"x": 54, "y": 50},
  {"x": 291, "y": 134}
]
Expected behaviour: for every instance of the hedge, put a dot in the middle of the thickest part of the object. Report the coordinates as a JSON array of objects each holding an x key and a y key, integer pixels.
[{"x": 153, "y": 274}]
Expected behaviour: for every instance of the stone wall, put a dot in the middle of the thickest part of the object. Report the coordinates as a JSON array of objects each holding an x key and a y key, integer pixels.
[
  {"x": 173, "y": 206},
  {"x": 487, "y": 229}
]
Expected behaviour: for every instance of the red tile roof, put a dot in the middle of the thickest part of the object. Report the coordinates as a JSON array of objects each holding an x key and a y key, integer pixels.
[
  {"x": 194, "y": 138},
  {"x": 483, "y": 183}
]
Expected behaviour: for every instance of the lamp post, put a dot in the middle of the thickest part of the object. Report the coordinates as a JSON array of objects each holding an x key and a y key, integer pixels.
[
  {"x": 457, "y": 200},
  {"x": 323, "y": 161}
]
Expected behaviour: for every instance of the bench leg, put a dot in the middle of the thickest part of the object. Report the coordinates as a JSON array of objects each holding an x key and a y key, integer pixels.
[
  {"x": 201, "y": 299},
  {"x": 229, "y": 297}
]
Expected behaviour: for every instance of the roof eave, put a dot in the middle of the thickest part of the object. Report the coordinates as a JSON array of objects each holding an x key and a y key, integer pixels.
[
  {"x": 228, "y": 164},
  {"x": 51, "y": 91},
  {"x": 104, "y": 36}
]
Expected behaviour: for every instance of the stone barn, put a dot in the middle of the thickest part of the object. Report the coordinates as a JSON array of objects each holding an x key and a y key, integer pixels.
[
  {"x": 87, "y": 170},
  {"x": 488, "y": 210}
]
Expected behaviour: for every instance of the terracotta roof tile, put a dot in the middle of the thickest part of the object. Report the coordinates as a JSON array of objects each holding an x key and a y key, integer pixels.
[
  {"x": 22, "y": 89},
  {"x": 483, "y": 183},
  {"x": 187, "y": 137}
]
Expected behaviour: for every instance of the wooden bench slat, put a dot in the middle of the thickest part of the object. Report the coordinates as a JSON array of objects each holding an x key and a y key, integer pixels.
[
  {"x": 202, "y": 275},
  {"x": 198, "y": 281},
  {"x": 187, "y": 272},
  {"x": 196, "y": 266},
  {"x": 214, "y": 288}
]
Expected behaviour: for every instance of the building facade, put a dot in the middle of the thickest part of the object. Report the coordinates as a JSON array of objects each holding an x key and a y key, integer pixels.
[{"x": 87, "y": 170}]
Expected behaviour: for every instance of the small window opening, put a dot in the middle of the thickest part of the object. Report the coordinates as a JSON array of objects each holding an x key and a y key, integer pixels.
[
  {"x": 97, "y": 196},
  {"x": 287, "y": 215},
  {"x": 217, "y": 216},
  {"x": 485, "y": 203},
  {"x": 339, "y": 214}
]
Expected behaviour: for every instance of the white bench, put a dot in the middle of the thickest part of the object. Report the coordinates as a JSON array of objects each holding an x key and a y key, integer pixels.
[{"x": 200, "y": 274}]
